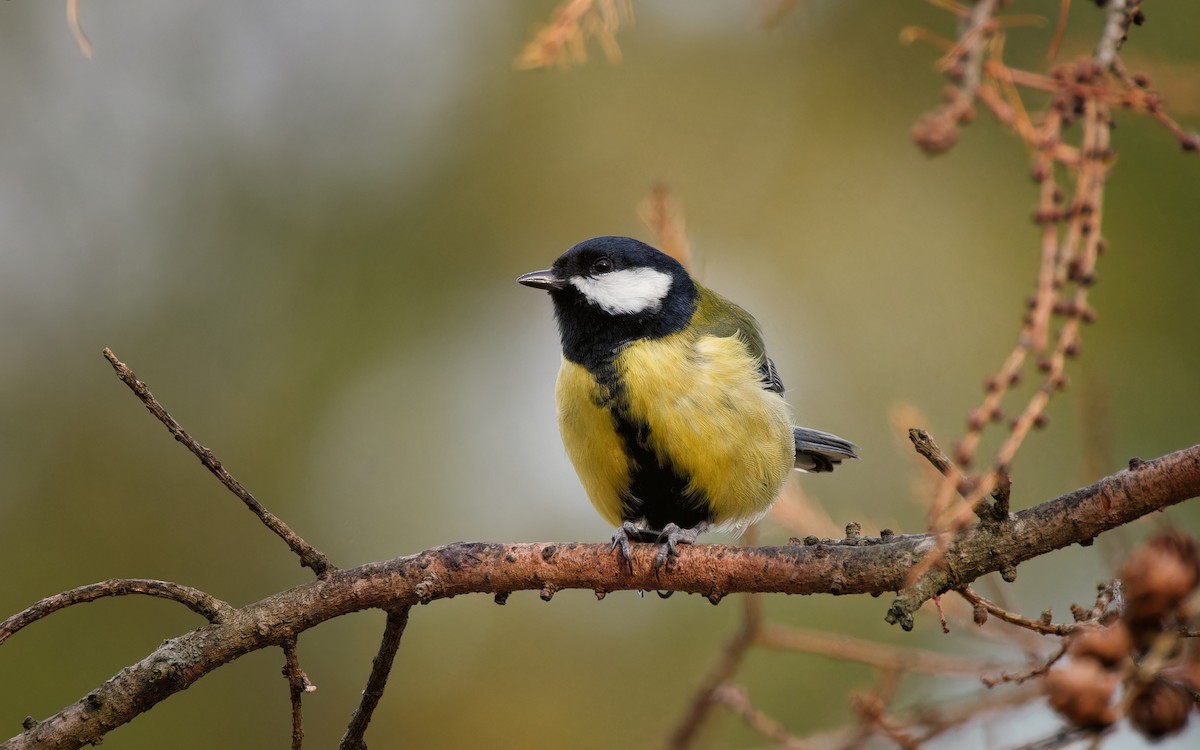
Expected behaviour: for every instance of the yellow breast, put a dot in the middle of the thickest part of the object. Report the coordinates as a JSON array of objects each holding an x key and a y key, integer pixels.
[
  {"x": 589, "y": 434},
  {"x": 712, "y": 418},
  {"x": 708, "y": 416}
]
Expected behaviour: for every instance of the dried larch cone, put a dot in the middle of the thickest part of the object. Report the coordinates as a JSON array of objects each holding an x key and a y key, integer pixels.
[
  {"x": 1082, "y": 691},
  {"x": 1156, "y": 579},
  {"x": 1159, "y": 709},
  {"x": 1107, "y": 645}
]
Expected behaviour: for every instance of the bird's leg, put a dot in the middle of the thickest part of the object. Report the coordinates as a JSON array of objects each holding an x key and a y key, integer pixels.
[
  {"x": 627, "y": 533},
  {"x": 675, "y": 536}
]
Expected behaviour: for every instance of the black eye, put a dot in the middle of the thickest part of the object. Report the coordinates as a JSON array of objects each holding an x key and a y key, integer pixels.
[{"x": 602, "y": 265}]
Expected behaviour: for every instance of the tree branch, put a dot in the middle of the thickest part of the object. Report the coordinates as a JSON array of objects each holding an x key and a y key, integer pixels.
[
  {"x": 85, "y": 44},
  {"x": 381, "y": 666},
  {"x": 708, "y": 694},
  {"x": 1045, "y": 628},
  {"x": 310, "y": 556},
  {"x": 738, "y": 702},
  {"x": 1115, "y": 28},
  {"x": 1074, "y": 518},
  {"x": 298, "y": 685},
  {"x": 711, "y": 570},
  {"x": 882, "y": 655},
  {"x": 207, "y": 606}
]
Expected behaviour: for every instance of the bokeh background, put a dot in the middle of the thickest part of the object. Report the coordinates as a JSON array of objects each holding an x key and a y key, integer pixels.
[{"x": 300, "y": 224}]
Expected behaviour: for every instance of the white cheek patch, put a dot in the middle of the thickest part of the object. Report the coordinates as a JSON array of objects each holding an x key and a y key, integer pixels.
[{"x": 631, "y": 290}]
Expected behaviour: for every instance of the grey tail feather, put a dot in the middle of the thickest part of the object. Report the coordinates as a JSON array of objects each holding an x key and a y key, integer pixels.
[{"x": 818, "y": 451}]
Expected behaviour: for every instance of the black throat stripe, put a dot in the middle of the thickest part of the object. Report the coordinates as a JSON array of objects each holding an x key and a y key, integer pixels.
[{"x": 658, "y": 490}]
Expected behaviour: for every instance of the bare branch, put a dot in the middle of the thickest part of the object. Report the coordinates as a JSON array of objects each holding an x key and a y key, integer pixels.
[
  {"x": 1037, "y": 626},
  {"x": 882, "y": 655},
  {"x": 736, "y": 699},
  {"x": 381, "y": 666},
  {"x": 711, "y": 570},
  {"x": 972, "y": 44},
  {"x": 1115, "y": 29},
  {"x": 310, "y": 556},
  {"x": 85, "y": 44},
  {"x": 706, "y": 696},
  {"x": 1018, "y": 678},
  {"x": 927, "y": 447},
  {"x": 937, "y": 131},
  {"x": 873, "y": 719},
  {"x": 207, "y": 606},
  {"x": 1063, "y": 738},
  {"x": 298, "y": 685},
  {"x": 661, "y": 213},
  {"x": 1074, "y": 518},
  {"x": 936, "y": 716}
]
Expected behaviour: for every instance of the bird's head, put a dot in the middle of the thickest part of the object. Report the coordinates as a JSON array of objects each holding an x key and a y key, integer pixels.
[{"x": 611, "y": 290}]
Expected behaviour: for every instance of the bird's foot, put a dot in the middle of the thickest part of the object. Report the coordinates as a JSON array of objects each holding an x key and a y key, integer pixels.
[
  {"x": 672, "y": 536},
  {"x": 627, "y": 533}
]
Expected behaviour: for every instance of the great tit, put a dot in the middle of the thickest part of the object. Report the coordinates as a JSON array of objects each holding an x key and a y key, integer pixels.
[{"x": 669, "y": 408}]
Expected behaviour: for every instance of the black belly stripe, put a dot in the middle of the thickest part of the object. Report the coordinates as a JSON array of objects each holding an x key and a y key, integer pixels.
[{"x": 658, "y": 490}]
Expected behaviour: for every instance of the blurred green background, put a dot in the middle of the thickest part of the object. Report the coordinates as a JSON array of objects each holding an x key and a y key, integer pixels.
[{"x": 300, "y": 224}]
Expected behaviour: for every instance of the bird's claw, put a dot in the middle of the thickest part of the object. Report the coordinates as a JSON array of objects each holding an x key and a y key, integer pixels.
[
  {"x": 620, "y": 541},
  {"x": 672, "y": 536}
]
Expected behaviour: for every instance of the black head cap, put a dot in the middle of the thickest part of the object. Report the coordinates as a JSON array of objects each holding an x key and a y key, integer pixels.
[{"x": 609, "y": 291}]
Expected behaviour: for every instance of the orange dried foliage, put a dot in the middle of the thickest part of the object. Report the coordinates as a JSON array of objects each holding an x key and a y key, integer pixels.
[{"x": 563, "y": 41}]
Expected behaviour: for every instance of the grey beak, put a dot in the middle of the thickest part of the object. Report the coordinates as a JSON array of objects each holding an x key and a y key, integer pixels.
[{"x": 541, "y": 280}]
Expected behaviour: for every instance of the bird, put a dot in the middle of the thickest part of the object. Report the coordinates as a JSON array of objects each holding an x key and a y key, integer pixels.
[{"x": 668, "y": 406}]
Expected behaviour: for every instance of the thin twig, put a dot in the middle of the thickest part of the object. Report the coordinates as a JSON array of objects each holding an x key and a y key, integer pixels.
[
  {"x": 850, "y": 648},
  {"x": 688, "y": 728},
  {"x": 871, "y": 708},
  {"x": 1047, "y": 294},
  {"x": 973, "y": 618},
  {"x": 973, "y": 43},
  {"x": 1115, "y": 29},
  {"x": 85, "y": 44},
  {"x": 736, "y": 700},
  {"x": 1060, "y": 29},
  {"x": 937, "y": 131},
  {"x": 927, "y": 447},
  {"x": 932, "y": 718},
  {"x": 662, "y": 215},
  {"x": 1037, "y": 626},
  {"x": 971, "y": 490},
  {"x": 207, "y": 606},
  {"x": 381, "y": 666},
  {"x": 310, "y": 556},
  {"x": 1018, "y": 678},
  {"x": 1062, "y": 738},
  {"x": 298, "y": 685},
  {"x": 932, "y": 580},
  {"x": 1070, "y": 257},
  {"x": 939, "y": 718}
]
